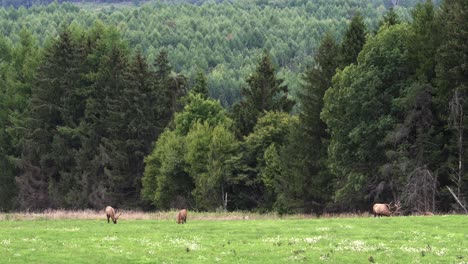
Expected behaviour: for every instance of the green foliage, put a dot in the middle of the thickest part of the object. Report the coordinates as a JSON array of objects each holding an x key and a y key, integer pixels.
[
  {"x": 201, "y": 85},
  {"x": 271, "y": 129},
  {"x": 208, "y": 34},
  {"x": 200, "y": 110},
  {"x": 83, "y": 108},
  {"x": 38, "y": 164},
  {"x": 452, "y": 92},
  {"x": 200, "y": 159},
  {"x": 265, "y": 92},
  {"x": 353, "y": 41},
  {"x": 359, "y": 111},
  {"x": 93, "y": 114},
  {"x": 415, "y": 142},
  {"x": 165, "y": 182},
  {"x": 390, "y": 18},
  {"x": 209, "y": 150}
]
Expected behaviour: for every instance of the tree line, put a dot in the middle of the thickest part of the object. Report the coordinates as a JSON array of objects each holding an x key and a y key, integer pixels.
[{"x": 380, "y": 117}]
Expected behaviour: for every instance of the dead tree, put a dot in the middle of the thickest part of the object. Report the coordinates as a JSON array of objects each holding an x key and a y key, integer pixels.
[
  {"x": 420, "y": 191},
  {"x": 457, "y": 123}
]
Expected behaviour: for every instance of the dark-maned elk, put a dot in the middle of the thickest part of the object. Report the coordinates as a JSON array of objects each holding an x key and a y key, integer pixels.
[
  {"x": 386, "y": 209},
  {"x": 110, "y": 212},
  {"x": 182, "y": 216}
]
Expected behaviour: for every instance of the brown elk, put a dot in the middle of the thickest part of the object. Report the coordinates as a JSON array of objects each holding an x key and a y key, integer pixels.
[
  {"x": 110, "y": 212},
  {"x": 182, "y": 216},
  {"x": 386, "y": 209}
]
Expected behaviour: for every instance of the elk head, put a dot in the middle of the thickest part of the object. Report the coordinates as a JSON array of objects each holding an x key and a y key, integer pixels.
[
  {"x": 110, "y": 213},
  {"x": 395, "y": 207}
]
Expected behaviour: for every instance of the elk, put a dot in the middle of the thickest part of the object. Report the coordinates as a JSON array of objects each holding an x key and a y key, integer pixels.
[
  {"x": 386, "y": 209},
  {"x": 110, "y": 212},
  {"x": 182, "y": 216}
]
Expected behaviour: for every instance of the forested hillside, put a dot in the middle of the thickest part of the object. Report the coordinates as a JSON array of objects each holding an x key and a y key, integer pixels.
[
  {"x": 223, "y": 39},
  {"x": 305, "y": 107},
  {"x": 276, "y": 3}
]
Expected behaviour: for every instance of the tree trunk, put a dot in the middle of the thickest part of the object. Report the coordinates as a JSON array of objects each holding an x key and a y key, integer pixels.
[{"x": 457, "y": 121}]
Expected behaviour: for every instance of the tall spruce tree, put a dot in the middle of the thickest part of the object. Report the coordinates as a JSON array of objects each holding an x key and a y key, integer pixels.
[
  {"x": 18, "y": 65},
  {"x": 39, "y": 163},
  {"x": 170, "y": 85},
  {"x": 7, "y": 182},
  {"x": 305, "y": 156},
  {"x": 265, "y": 92},
  {"x": 452, "y": 89},
  {"x": 142, "y": 118},
  {"x": 353, "y": 41}
]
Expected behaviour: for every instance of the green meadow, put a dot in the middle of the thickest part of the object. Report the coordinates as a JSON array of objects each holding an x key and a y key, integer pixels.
[{"x": 437, "y": 239}]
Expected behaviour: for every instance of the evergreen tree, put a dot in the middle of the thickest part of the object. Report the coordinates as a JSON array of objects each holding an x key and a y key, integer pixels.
[
  {"x": 18, "y": 65},
  {"x": 415, "y": 146},
  {"x": 390, "y": 18},
  {"x": 305, "y": 156},
  {"x": 7, "y": 183},
  {"x": 452, "y": 84},
  {"x": 170, "y": 85},
  {"x": 105, "y": 125},
  {"x": 353, "y": 41},
  {"x": 39, "y": 164},
  {"x": 142, "y": 114},
  {"x": 265, "y": 92},
  {"x": 201, "y": 85}
]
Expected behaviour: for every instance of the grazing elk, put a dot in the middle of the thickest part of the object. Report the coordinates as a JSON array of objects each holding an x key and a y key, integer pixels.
[
  {"x": 386, "y": 209},
  {"x": 110, "y": 212},
  {"x": 182, "y": 216}
]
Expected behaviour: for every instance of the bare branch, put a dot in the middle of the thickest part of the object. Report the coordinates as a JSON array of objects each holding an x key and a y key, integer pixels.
[{"x": 454, "y": 196}]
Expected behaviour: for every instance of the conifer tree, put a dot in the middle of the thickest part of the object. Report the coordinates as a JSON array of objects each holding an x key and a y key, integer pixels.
[
  {"x": 265, "y": 92},
  {"x": 39, "y": 164},
  {"x": 201, "y": 85},
  {"x": 170, "y": 85},
  {"x": 452, "y": 88},
  {"x": 18, "y": 65},
  {"x": 353, "y": 41},
  {"x": 305, "y": 156},
  {"x": 390, "y": 18}
]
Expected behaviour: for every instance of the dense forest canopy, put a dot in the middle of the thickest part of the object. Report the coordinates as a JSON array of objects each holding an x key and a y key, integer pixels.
[
  {"x": 286, "y": 106},
  {"x": 222, "y": 39},
  {"x": 274, "y": 3}
]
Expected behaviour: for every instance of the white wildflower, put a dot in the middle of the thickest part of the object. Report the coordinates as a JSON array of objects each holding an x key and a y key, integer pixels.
[
  {"x": 110, "y": 238},
  {"x": 313, "y": 240}
]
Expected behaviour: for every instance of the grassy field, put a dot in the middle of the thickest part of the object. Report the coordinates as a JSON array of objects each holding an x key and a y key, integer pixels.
[{"x": 206, "y": 239}]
